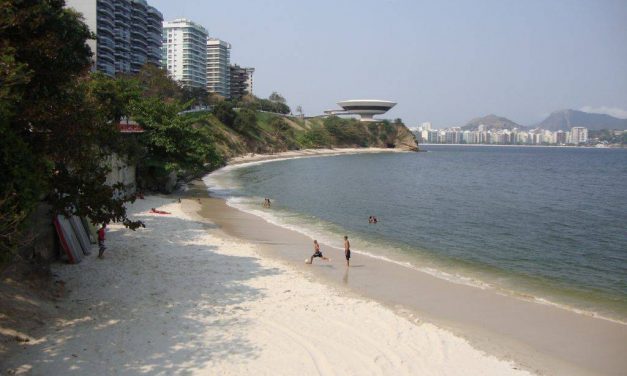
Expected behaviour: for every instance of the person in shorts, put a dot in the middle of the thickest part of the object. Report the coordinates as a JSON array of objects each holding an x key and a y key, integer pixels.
[
  {"x": 317, "y": 253},
  {"x": 347, "y": 250}
]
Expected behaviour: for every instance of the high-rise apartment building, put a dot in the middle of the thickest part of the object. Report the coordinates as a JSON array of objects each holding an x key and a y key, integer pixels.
[
  {"x": 426, "y": 126},
  {"x": 578, "y": 135},
  {"x": 241, "y": 81},
  {"x": 128, "y": 33},
  {"x": 560, "y": 137},
  {"x": 218, "y": 60},
  {"x": 184, "y": 52}
]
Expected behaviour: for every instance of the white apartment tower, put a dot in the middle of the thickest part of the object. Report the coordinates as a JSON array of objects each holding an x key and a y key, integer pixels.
[
  {"x": 249, "y": 80},
  {"x": 218, "y": 60},
  {"x": 184, "y": 52},
  {"x": 578, "y": 135}
]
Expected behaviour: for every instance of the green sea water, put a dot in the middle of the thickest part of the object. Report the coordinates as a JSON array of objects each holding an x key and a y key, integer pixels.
[{"x": 546, "y": 224}]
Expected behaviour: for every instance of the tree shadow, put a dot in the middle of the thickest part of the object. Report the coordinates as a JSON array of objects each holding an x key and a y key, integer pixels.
[{"x": 169, "y": 305}]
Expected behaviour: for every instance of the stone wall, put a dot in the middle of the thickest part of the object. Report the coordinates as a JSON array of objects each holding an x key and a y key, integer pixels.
[{"x": 121, "y": 172}]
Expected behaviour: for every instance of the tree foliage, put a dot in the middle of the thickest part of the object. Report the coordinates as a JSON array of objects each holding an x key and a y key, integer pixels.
[
  {"x": 170, "y": 142},
  {"x": 156, "y": 83},
  {"x": 196, "y": 96},
  {"x": 277, "y": 98},
  {"x": 114, "y": 96},
  {"x": 245, "y": 121},
  {"x": 277, "y": 105},
  {"x": 50, "y": 128},
  {"x": 224, "y": 112}
]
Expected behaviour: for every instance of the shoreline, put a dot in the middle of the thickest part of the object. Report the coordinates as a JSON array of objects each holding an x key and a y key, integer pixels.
[
  {"x": 182, "y": 296},
  {"x": 442, "y": 273},
  {"x": 305, "y": 153},
  {"x": 209, "y": 289},
  {"x": 437, "y": 273},
  {"x": 526, "y": 349}
]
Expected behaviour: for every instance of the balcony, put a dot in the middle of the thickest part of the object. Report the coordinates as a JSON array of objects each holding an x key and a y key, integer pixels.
[
  {"x": 105, "y": 22},
  {"x": 106, "y": 7}
]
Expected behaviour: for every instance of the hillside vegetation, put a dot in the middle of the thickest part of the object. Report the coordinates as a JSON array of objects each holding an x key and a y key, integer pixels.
[
  {"x": 272, "y": 133},
  {"x": 59, "y": 124}
]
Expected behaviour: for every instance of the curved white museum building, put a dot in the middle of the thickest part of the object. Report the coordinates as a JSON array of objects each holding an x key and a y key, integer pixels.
[{"x": 365, "y": 108}]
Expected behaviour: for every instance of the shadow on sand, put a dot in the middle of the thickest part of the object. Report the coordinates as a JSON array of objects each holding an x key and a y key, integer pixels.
[{"x": 163, "y": 305}]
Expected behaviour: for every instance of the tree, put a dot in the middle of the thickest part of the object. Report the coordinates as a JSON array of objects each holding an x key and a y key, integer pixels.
[
  {"x": 155, "y": 82},
  {"x": 246, "y": 120},
  {"x": 171, "y": 142},
  {"x": 114, "y": 95},
  {"x": 224, "y": 112},
  {"x": 276, "y": 97},
  {"x": 195, "y": 96},
  {"x": 51, "y": 127}
]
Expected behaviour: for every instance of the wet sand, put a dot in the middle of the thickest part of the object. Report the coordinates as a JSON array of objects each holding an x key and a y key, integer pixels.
[{"x": 540, "y": 338}]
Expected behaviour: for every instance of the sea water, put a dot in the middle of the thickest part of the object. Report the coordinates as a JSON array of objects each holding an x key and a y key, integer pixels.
[{"x": 545, "y": 224}]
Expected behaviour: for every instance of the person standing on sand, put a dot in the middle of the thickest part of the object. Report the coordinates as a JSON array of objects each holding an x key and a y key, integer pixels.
[
  {"x": 101, "y": 240},
  {"x": 317, "y": 253},
  {"x": 347, "y": 250}
]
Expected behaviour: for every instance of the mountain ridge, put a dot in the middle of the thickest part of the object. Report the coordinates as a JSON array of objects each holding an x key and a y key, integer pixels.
[
  {"x": 564, "y": 120},
  {"x": 492, "y": 121}
]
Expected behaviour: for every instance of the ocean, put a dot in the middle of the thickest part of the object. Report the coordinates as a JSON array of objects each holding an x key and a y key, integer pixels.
[{"x": 542, "y": 223}]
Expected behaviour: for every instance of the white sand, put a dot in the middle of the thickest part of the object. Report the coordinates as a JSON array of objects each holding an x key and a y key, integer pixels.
[{"x": 180, "y": 297}]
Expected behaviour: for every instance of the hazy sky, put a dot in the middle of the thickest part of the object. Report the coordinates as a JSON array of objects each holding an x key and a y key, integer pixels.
[{"x": 442, "y": 61}]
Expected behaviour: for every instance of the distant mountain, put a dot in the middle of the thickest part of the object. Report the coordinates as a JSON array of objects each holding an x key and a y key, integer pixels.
[
  {"x": 492, "y": 122},
  {"x": 566, "y": 119}
]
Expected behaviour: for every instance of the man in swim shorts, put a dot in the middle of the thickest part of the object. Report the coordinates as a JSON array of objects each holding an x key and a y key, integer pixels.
[
  {"x": 317, "y": 253},
  {"x": 347, "y": 250}
]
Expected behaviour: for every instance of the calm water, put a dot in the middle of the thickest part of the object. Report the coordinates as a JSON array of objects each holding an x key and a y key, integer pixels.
[{"x": 542, "y": 223}]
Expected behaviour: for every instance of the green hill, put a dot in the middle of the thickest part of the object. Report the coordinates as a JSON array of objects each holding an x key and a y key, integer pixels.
[{"x": 272, "y": 133}]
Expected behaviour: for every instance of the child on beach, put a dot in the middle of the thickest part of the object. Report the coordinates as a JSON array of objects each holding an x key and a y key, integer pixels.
[
  {"x": 317, "y": 253},
  {"x": 101, "y": 240}
]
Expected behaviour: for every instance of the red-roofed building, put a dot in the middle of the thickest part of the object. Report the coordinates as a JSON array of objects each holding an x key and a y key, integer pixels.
[{"x": 129, "y": 126}]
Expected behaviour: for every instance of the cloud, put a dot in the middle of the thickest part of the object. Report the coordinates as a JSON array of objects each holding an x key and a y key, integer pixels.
[{"x": 612, "y": 111}]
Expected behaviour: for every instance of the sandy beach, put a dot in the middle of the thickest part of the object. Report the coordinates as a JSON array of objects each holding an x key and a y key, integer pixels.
[
  {"x": 208, "y": 290},
  {"x": 182, "y": 297}
]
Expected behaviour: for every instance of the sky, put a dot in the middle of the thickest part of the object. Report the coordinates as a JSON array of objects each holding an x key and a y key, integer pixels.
[{"x": 445, "y": 62}]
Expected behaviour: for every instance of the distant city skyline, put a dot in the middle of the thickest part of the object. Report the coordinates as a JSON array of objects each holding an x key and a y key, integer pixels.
[{"x": 443, "y": 62}]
